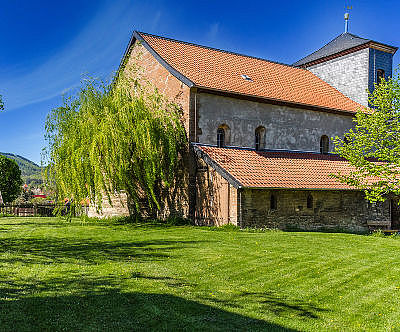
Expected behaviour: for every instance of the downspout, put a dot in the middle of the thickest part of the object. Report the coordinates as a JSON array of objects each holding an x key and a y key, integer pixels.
[
  {"x": 374, "y": 66},
  {"x": 195, "y": 115},
  {"x": 229, "y": 203},
  {"x": 240, "y": 207}
]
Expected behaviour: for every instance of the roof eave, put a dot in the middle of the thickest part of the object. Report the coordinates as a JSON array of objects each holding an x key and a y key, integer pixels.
[
  {"x": 308, "y": 189},
  {"x": 237, "y": 184},
  {"x": 367, "y": 44}
]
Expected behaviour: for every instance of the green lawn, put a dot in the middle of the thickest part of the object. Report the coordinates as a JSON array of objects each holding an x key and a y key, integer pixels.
[{"x": 78, "y": 276}]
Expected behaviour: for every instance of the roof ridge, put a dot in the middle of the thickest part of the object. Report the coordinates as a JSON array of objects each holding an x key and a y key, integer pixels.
[
  {"x": 344, "y": 33},
  {"x": 353, "y": 35},
  {"x": 217, "y": 49},
  {"x": 344, "y": 38}
]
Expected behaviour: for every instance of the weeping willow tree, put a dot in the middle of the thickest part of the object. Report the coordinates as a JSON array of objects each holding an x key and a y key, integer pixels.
[{"x": 112, "y": 138}]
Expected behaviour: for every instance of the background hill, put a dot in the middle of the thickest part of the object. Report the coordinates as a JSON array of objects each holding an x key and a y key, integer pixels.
[{"x": 31, "y": 172}]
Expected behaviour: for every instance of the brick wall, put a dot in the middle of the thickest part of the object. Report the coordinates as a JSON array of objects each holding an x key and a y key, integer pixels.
[
  {"x": 331, "y": 210},
  {"x": 216, "y": 199},
  {"x": 179, "y": 199},
  {"x": 167, "y": 84}
]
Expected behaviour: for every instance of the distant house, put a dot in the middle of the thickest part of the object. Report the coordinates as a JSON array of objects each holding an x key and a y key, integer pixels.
[{"x": 260, "y": 131}]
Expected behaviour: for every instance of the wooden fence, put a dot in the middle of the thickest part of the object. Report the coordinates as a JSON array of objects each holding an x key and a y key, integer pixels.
[{"x": 37, "y": 210}]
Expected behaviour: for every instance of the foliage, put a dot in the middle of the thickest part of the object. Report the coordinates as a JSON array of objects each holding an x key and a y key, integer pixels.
[
  {"x": 126, "y": 277},
  {"x": 1, "y": 103},
  {"x": 378, "y": 233},
  {"x": 109, "y": 138},
  {"x": 225, "y": 228},
  {"x": 10, "y": 179},
  {"x": 373, "y": 146},
  {"x": 31, "y": 173}
]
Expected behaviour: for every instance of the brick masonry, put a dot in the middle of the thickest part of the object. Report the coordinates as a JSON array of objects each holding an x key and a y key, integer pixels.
[
  {"x": 216, "y": 199},
  {"x": 180, "y": 200}
]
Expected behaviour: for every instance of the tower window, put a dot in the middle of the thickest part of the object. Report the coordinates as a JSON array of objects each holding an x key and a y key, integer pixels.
[
  {"x": 380, "y": 74},
  {"x": 324, "y": 144},
  {"x": 310, "y": 202},
  {"x": 273, "y": 202}
]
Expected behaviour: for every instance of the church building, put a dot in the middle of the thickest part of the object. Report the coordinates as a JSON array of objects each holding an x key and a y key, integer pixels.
[{"x": 260, "y": 131}]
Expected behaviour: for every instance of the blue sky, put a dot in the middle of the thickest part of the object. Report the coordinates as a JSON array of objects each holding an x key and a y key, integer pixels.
[{"x": 47, "y": 46}]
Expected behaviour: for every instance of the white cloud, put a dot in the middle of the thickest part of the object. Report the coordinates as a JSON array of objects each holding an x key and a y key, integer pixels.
[
  {"x": 156, "y": 20},
  {"x": 97, "y": 49},
  {"x": 213, "y": 31}
]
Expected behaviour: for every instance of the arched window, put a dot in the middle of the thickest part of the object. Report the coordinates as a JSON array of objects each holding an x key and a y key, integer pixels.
[
  {"x": 324, "y": 144},
  {"x": 273, "y": 202},
  {"x": 259, "y": 138},
  {"x": 310, "y": 202},
  {"x": 380, "y": 74},
  {"x": 223, "y": 136},
  {"x": 220, "y": 137}
]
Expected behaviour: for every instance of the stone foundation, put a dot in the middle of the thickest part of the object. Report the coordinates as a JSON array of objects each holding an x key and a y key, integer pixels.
[
  {"x": 330, "y": 210},
  {"x": 118, "y": 208}
]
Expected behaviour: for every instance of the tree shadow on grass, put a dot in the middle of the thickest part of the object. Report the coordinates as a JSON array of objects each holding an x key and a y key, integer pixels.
[
  {"x": 273, "y": 303},
  {"x": 54, "y": 250},
  {"x": 117, "y": 311}
]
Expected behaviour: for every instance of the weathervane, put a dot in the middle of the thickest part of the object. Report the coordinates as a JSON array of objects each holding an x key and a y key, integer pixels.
[{"x": 346, "y": 18}]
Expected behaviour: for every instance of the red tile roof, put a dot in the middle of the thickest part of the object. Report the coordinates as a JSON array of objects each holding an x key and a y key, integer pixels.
[
  {"x": 265, "y": 169},
  {"x": 221, "y": 70}
]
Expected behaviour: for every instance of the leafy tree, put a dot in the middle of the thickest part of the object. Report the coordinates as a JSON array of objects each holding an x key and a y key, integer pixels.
[
  {"x": 373, "y": 146},
  {"x": 10, "y": 179},
  {"x": 109, "y": 138},
  {"x": 1, "y": 103}
]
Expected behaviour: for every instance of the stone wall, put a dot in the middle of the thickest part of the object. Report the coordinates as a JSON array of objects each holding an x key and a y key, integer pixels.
[
  {"x": 117, "y": 208},
  {"x": 286, "y": 128},
  {"x": 348, "y": 74},
  {"x": 331, "y": 210}
]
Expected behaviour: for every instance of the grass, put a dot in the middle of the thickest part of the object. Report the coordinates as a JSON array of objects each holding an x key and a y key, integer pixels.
[{"x": 96, "y": 276}]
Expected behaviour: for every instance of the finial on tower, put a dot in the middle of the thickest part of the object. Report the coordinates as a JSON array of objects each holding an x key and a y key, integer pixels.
[{"x": 346, "y": 19}]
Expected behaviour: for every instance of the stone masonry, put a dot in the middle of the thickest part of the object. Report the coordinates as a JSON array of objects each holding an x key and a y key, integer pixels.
[
  {"x": 286, "y": 127},
  {"x": 331, "y": 210},
  {"x": 348, "y": 74},
  {"x": 354, "y": 74}
]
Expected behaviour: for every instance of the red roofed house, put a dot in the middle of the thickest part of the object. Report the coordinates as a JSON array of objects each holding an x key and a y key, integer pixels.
[{"x": 260, "y": 131}]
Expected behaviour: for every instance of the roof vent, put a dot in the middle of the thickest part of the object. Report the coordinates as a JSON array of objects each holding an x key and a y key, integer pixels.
[{"x": 246, "y": 77}]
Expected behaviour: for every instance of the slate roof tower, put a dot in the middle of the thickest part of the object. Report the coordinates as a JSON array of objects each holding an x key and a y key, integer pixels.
[{"x": 351, "y": 64}]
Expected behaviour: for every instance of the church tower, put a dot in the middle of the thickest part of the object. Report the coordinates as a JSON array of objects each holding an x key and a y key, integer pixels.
[{"x": 351, "y": 64}]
